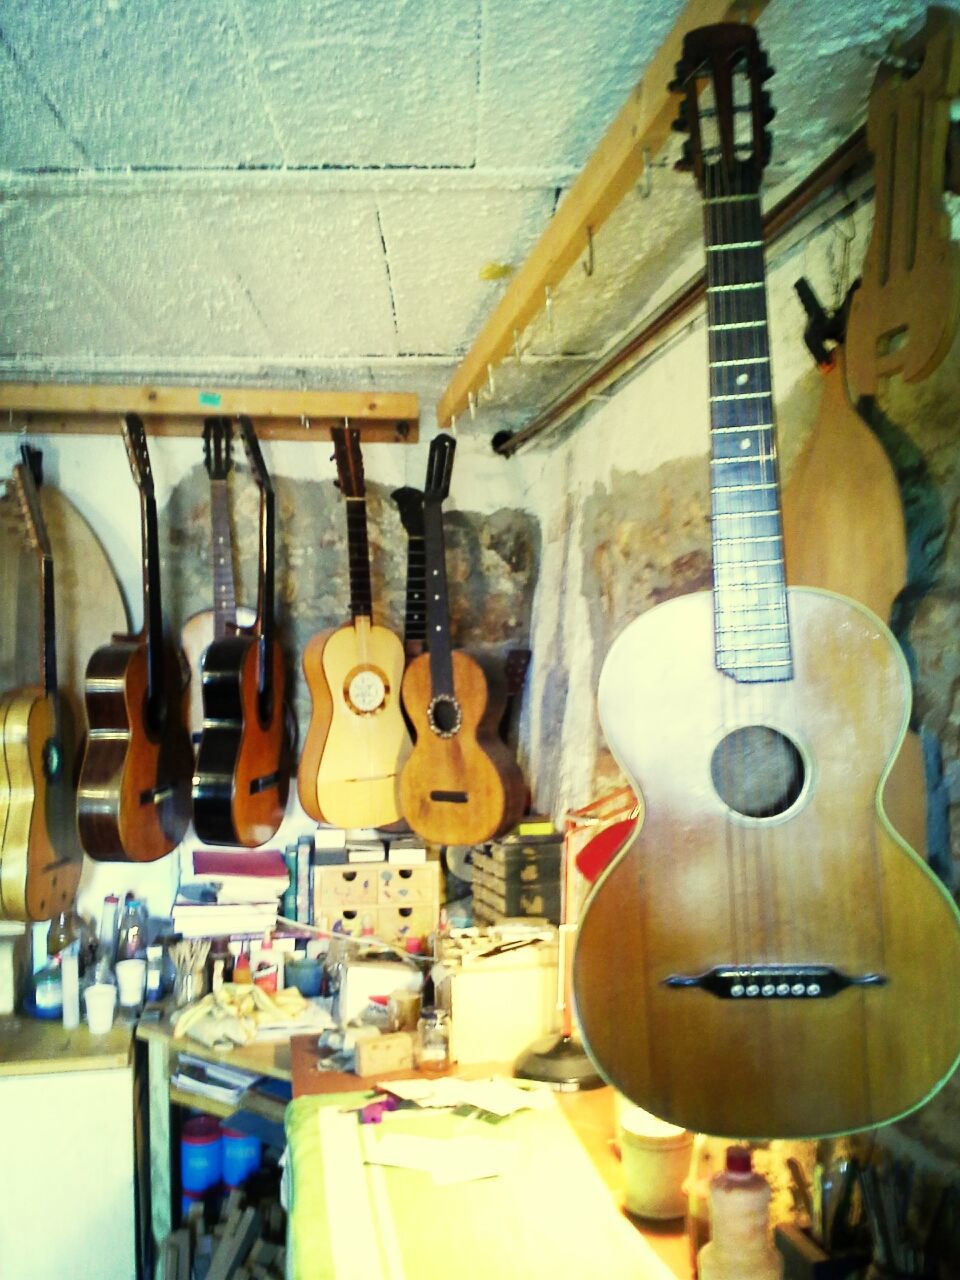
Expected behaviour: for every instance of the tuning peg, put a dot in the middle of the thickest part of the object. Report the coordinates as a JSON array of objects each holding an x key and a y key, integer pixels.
[
  {"x": 768, "y": 110},
  {"x": 682, "y": 123},
  {"x": 766, "y": 71},
  {"x": 685, "y": 163},
  {"x": 680, "y": 74},
  {"x": 767, "y": 144}
]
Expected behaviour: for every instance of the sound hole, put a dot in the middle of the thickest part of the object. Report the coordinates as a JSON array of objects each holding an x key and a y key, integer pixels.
[
  {"x": 443, "y": 715},
  {"x": 757, "y": 771}
]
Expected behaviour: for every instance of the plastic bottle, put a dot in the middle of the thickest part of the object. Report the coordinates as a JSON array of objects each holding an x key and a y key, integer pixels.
[
  {"x": 740, "y": 1247},
  {"x": 107, "y": 949},
  {"x": 132, "y": 938}
]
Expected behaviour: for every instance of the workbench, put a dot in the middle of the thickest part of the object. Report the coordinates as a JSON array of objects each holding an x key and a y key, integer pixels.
[{"x": 67, "y": 1173}]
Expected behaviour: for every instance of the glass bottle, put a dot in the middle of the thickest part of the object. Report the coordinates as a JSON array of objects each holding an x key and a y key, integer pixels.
[
  {"x": 61, "y": 933},
  {"x": 107, "y": 947},
  {"x": 132, "y": 937},
  {"x": 433, "y": 1041}
]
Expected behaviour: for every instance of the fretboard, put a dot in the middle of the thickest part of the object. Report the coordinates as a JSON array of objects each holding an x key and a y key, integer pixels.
[
  {"x": 48, "y": 627},
  {"x": 224, "y": 594},
  {"x": 415, "y": 617},
  {"x": 152, "y": 606},
  {"x": 751, "y": 624},
  {"x": 361, "y": 596},
  {"x": 438, "y": 615}
]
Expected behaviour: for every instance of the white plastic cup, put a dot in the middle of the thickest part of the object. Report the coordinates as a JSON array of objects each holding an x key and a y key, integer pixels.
[
  {"x": 99, "y": 1001},
  {"x": 70, "y": 982},
  {"x": 131, "y": 978}
]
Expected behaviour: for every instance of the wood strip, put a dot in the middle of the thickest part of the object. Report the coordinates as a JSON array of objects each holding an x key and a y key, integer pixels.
[{"x": 641, "y": 127}]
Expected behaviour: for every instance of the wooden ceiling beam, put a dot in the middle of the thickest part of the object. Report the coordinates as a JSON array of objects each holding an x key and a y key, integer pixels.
[
  {"x": 92, "y": 409},
  {"x": 635, "y": 136}
]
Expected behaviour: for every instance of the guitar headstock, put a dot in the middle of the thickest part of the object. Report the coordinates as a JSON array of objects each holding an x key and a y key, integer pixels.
[
  {"x": 725, "y": 108},
  {"x": 410, "y": 505},
  {"x": 28, "y": 500},
  {"x": 252, "y": 446},
  {"x": 217, "y": 447},
  {"x": 515, "y": 670},
  {"x": 349, "y": 460},
  {"x": 439, "y": 468},
  {"x": 135, "y": 438}
]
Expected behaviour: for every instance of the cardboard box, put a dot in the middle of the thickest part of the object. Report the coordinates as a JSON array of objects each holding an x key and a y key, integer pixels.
[
  {"x": 349, "y": 885},
  {"x": 402, "y": 885},
  {"x": 415, "y": 920}
]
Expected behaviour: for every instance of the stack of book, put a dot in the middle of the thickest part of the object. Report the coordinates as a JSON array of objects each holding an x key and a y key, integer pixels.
[{"x": 232, "y": 893}]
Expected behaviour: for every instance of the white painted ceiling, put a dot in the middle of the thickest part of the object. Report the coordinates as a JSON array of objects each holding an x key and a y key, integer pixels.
[{"x": 313, "y": 192}]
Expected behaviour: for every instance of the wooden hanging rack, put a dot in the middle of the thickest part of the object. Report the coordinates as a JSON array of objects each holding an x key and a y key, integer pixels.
[
  {"x": 621, "y": 157},
  {"x": 57, "y": 408}
]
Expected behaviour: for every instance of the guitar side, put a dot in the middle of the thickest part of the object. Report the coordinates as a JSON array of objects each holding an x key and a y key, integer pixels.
[
  {"x": 133, "y": 798},
  {"x": 40, "y": 861},
  {"x": 465, "y": 788},
  {"x": 195, "y": 637},
  {"x": 242, "y": 776},
  {"x": 356, "y": 782},
  {"x": 321, "y": 714},
  {"x": 826, "y": 882}
]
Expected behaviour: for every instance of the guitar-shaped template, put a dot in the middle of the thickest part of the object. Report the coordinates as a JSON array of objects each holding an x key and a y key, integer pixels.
[
  {"x": 133, "y": 799},
  {"x": 357, "y": 739},
  {"x": 410, "y": 505},
  {"x": 767, "y": 957},
  {"x": 40, "y": 860},
  {"x": 461, "y": 785},
  {"x": 242, "y": 776},
  {"x": 224, "y": 618}
]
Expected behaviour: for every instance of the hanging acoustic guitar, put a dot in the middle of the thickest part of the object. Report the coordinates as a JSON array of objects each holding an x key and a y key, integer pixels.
[
  {"x": 461, "y": 785},
  {"x": 767, "y": 957},
  {"x": 224, "y": 618},
  {"x": 410, "y": 505},
  {"x": 40, "y": 860},
  {"x": 133, "y": 799},
  {"x": 242, "y": 775},
  {"x": 357, "y": 739}
]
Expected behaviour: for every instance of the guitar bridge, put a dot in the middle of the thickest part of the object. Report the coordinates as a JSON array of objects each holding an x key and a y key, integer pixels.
[
  {"x": 158, "y": 794},
  {"x": 774, "y": 981},
  {"x": 264, "y": 783}
]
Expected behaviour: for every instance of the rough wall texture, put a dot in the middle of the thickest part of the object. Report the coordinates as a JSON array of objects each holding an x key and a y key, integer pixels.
[{"x": 491, "y": 561}]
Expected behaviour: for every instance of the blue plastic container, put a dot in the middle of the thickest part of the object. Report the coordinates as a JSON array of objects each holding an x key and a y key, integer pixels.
[
  {"x": 201, "y": 1154},
  {"x": 241, "y": 1157}
]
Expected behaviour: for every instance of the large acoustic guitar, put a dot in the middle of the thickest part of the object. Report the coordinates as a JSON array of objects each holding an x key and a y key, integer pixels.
[
  {"x": 242, "y": 775},
  {"x": 133, "y": 799},
  {"x": 767, "y": 957},
  {"x": 222, "y": 620},
  {"x": 40, "y": 859},
  {"x": 357, "y": 739},
  {"x": 461, "y": 785}
]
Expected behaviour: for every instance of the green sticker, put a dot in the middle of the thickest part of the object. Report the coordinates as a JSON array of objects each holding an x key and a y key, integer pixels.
[{"x": 210, "y": 399}]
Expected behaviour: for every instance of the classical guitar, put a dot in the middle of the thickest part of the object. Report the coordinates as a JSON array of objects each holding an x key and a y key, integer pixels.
[
  {"x": 133, "y": 799},
  {"x": 461, "y": 785},
  {"x": 767, "y": 957},
  {"x": 224, "y": 618},
  {"x": 40, "y": 860},
  {"x": 410, "y": 505},
  {"x": 354, "y": 676},
  {"x": 242, "y": 774}
]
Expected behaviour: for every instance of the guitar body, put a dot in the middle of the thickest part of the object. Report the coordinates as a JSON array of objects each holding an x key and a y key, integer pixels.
[
  {"x": 465, "y": 788},
  {"x": 321, "y": 714},
  {"x": 40, "y": 862},
  {"x": 825, "y": 882},
  {"x": 242, "y": 774},
  {"x": 133, "y": 799},
  {"x": 195, "y": 637},
  {"x": 364, "y": 750}
]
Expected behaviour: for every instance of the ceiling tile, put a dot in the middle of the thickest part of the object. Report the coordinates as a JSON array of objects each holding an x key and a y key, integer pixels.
[
  {"x": 554, "y": 73},
  {"x": 437, "y": 245},
  {"x": 369, "y": 85},
  {"x": 145, "y": 84}
]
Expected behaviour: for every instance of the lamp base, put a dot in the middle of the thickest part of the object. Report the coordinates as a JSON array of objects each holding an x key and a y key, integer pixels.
[{"x": 559, "y": 1061}]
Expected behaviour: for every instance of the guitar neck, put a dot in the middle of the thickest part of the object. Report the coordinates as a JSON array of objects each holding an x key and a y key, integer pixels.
[
  {"x": 438, "y": 614},
  {"x": 415, "y": 616},
  {"x": 751, "y": 636},
  {"x": 265, "y": 596},
  {"x": 48, "y": 625},
  {"x": 361, "y": 595},
  {"x": 224, "y": 592},
  {"x": 152, "y": 606}
]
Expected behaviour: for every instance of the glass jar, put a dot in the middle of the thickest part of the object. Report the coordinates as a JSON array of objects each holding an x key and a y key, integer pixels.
[{"x": 433, "y": 1041}]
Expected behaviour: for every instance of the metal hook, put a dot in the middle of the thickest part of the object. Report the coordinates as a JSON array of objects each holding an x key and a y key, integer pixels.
[
  {"x": 588, "y": 265},
  {"x": 516, "y": 347},
  {"x": 453, "y": 422},
  {"x": 490, "y": 381},
  {"x": 472, "y": 404},
  {"x": 647, "y": 188},
  {"x": 548, "y": 300}
]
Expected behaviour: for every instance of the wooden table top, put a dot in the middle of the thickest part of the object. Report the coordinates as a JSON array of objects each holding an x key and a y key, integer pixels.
[{"x": 31, "y": 1046}]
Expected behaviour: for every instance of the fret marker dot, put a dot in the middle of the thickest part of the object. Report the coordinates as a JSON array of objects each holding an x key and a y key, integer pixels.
[
  {"x": 745, "y": 443},
  {"x": 742, "y": 379}
]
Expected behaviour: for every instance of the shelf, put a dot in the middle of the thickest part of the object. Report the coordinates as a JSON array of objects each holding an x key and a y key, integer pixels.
[{"x": 92, "y": 409}]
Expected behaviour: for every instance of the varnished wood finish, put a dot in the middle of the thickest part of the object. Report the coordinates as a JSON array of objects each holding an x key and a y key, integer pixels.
[
  {"x": 844, "y": 531},
  {"x": 40, "y": 859},
  {"x": 133, "y": 800},
  {"x": 197, "y": 634},
  {"x": 321, "y": 713},
  {"x": 239, "y": 748},
  {"x": 473, "y": 761},
  {"x": 356, "y": 782},
  {"x": 827, "y": 882}
]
